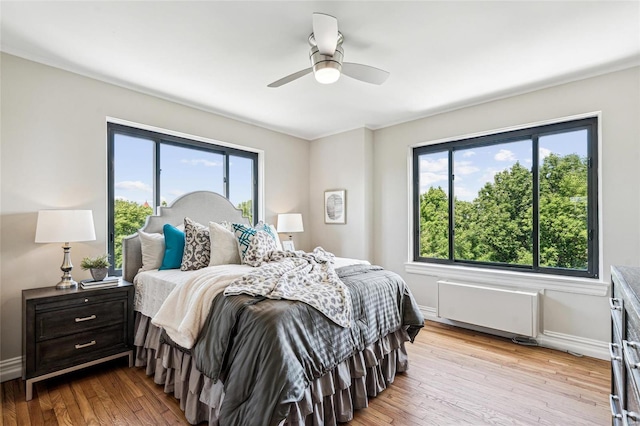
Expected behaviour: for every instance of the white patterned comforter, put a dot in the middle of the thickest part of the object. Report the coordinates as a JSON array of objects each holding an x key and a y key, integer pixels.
[{"x": 306, "y": 277}]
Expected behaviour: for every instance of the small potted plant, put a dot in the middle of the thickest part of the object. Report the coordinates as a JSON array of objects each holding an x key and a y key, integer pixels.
[{"x": 98, "y": 266}]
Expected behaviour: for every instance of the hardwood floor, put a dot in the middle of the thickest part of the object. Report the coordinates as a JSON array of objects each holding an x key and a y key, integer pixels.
[{"x": 455, "y": 377}]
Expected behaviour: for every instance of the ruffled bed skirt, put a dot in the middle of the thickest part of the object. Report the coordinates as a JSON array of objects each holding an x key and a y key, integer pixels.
[{"x": 328, "y": 400}]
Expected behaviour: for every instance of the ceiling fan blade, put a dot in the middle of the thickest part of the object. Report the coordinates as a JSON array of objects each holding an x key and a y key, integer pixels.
[
  {"x": 290, "y": 78},
  {"x": 364, "y": 73},
  {"x": 325, "y": 31}
]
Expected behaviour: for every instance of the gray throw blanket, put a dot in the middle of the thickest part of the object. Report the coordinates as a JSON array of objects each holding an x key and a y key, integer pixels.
[{"x": 268, "y": 351}]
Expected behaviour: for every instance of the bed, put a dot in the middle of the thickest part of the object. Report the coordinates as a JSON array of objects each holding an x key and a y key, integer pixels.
[{"x": 259, "y": 360}]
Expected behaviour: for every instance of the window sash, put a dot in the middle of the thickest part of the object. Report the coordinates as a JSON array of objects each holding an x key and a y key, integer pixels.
[
  {"x": 159, "y": 140},
  {"x": 532, "y": 133}
]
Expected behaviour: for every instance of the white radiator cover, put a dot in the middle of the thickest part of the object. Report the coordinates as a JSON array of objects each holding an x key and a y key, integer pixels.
[{"x": 513, "y": 311}]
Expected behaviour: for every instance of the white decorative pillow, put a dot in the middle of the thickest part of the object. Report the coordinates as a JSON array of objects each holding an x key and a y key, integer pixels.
[
  {"x": 152, "y": 248},
  {"x": 197, "y": 246},
  {"x": 254, "y": 245},
  {"x": 224, "y": 246}
]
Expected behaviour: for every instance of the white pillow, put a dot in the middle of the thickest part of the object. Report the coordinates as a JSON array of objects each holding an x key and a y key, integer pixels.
[
  {"x": 275, "y": 232},
  {"x": 224, "y": 246},
  {"x": 152, "y": 247}
]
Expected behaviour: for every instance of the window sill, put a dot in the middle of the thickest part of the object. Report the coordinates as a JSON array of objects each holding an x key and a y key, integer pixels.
[{"x": 518, "y": 280}]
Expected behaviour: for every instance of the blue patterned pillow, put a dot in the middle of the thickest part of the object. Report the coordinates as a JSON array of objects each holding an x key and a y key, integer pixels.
[{"x": 254, "y": 245}]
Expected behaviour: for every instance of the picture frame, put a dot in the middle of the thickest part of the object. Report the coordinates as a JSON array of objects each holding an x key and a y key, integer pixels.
[
  {"x": 335, "y": 206},
  {"x": 287, "y": 245}
]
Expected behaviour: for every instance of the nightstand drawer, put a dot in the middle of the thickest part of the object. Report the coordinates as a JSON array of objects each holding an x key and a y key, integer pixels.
[
  {"x": 69, "y": 350},
  {"x": 85, "y": 317}
]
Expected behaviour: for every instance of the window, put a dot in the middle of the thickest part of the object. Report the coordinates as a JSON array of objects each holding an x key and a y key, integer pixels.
[
  {"x": 148, "y": 169},
  {"x": 523, "y": 199}
]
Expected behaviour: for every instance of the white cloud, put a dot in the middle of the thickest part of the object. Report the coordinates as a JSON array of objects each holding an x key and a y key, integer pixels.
[
  {"x": 427, "y": 179},
  {"x": 201, "y": 162},
  {"x": 468, "y": 154},
  {"x": 544, "y": 153},
  {"x": 134, "y": 185},
  {"x": 489, "y": 174},
  {"x": 439, "y": 165},
  {"x": 464, "y": 168},
  {"x": 505, "y": 155},
  {"x": 465, "y": 194}
]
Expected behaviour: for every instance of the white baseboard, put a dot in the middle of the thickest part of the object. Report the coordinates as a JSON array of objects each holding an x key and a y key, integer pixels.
[
  {"x": 10, "y": 369},
  {"x": 574, "y": 344},
  {"x": 548, "y": 339}
]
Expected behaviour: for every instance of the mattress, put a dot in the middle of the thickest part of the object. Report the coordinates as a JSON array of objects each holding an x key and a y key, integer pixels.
[{"x": 153, "y": 286}]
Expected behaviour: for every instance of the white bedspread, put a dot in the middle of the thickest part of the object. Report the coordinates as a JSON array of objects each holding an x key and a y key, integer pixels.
[
  {"x": 154, "y": 286},
  {"x": 185, "y": 310}
]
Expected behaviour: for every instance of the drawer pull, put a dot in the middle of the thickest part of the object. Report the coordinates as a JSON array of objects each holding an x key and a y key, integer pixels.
[
  {"x": 614, "y": 303},
  {"x": 92, "y": 317},
  {"x": 613, "y": 401},
  {"x": 612, "y": 348},
  {"x": 632, "y": 415},
  {"x": 91, "y": 343}
]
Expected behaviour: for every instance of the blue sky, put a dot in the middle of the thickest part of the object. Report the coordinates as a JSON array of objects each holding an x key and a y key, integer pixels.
[
  {"x": 182, "y": 170},
  {"x": 474, "y": 167}
]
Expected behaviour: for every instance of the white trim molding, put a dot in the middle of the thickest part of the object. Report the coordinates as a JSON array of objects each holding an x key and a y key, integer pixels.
[
  {"x": 10, "y": 369},
  {"x": 574, "y": 345},
  {"x": 511, "y": 279}
]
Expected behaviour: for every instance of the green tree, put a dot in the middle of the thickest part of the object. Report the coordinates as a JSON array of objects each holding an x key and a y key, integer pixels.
[
  {"x": 563, "y": 212},
  {"x": 434, "y": 224},
  {"x": 504, "y": 221},
  {"x": 247, "y": 210},
  {"x": 128, "y": 218}
]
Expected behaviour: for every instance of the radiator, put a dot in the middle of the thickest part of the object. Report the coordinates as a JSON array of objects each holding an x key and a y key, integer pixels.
[{"x": 513, "y": 311}]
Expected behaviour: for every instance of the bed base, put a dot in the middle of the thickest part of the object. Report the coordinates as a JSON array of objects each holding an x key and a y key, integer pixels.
[{"x": 328, "y": 400}]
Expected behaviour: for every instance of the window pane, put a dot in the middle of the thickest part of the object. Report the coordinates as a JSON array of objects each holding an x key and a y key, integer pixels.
[
  {"x": 434, "y": 205},
  {"x": 133, "y": 188},
  {"x": 241, "y": 184},
  {"x": 563, "y": 200},
  {"x": 493, "y": 203},
  {"x": 184, "y": 170}
]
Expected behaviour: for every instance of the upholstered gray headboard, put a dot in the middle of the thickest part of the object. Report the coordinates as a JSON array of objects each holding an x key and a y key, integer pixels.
[{"x": 201, "y": 206}]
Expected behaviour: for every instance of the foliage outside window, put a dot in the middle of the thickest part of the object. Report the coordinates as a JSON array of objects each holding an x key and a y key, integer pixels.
[
  {"x": 524, "y": 199},
  {"x": 149, "y": 169}
]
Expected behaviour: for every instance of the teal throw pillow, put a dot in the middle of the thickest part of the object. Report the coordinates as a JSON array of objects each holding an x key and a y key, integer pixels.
[{"x": 174, "y": 247}]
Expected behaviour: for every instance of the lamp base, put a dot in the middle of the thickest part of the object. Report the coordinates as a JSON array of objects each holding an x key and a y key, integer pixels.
[
  {"x": 66, "y": 283},
  {"x": 66, "y": 268}
]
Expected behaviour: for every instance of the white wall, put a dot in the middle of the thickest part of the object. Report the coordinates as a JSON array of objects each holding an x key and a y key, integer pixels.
[
  {"x": 343, "y": 161},
  {"x": 617, "y": 96},
  {"x": 54, "y": 156}
]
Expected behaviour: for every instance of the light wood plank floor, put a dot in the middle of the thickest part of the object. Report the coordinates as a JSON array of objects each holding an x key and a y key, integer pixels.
[{"x": 456, "y": 377}]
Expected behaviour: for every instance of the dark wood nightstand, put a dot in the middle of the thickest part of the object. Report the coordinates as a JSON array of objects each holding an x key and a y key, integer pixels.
[{"x": 66, "y": 330}]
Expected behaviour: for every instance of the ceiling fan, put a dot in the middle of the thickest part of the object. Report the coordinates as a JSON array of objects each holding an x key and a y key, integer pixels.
[{"x": 326, "y": 57}]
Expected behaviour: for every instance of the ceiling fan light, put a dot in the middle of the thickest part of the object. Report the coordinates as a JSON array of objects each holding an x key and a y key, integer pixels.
[{"x": 327, "y": 75}]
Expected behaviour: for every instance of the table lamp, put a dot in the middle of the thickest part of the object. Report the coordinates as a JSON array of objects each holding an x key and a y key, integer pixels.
[
  {"x": 289, "y": 223},
  {"x": 65, "y": 226}
]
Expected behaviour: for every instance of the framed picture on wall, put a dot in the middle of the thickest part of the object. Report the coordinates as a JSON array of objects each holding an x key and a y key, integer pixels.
[{"x": 335, "y": 206}]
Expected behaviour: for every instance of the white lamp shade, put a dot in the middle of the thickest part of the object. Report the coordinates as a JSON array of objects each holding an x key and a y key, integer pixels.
[
  {"x": 65, "y": 226},
  {"x": 290, "y": 222}
]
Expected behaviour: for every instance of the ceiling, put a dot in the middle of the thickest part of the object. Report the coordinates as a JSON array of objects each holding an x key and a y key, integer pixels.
[{"x": 220, "y": 56}]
